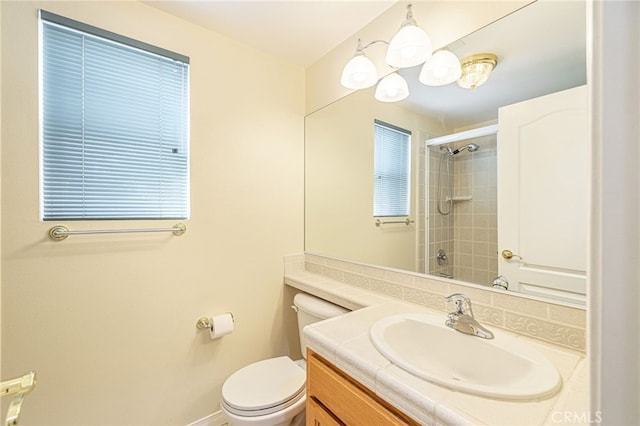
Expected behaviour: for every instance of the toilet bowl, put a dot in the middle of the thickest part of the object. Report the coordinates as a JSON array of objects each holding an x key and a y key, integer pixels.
[
  {"x": 272, "y": 392},
  {"x": 269, "y": 392}
]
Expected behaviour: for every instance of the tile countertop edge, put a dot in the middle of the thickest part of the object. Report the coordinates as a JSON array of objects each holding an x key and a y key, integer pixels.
[{"x": 340, "y": 352}]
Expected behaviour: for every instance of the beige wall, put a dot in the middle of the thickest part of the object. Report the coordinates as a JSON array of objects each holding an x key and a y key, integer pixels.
[
  {"x": 108, "y": 322},
  {"x": 339, "y": 182}
]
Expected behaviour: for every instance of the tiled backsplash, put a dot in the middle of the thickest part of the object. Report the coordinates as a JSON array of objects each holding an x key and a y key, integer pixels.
[{"x": 546, "y": 321}]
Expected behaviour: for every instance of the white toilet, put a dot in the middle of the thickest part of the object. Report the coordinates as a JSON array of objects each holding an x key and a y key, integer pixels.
[{"x": 272, "y": 392}]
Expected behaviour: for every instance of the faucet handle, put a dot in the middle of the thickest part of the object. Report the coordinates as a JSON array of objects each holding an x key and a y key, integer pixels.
[
  {"x": 457, "y": 296},
  {"x": 460, "y": 300}
]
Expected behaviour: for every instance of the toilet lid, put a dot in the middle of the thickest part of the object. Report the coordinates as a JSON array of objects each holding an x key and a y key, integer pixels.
[{"x": 264, "y": 387}]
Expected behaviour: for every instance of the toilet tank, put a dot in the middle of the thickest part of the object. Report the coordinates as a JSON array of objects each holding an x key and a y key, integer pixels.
[{"x": 311, "y": 309}]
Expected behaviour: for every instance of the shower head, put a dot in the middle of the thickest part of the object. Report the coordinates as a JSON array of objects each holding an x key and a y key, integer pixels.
[{"x": 472, "y": 147}]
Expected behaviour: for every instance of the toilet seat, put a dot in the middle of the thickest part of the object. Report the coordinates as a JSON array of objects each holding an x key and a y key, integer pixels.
[{"x": 264, "y": 387}]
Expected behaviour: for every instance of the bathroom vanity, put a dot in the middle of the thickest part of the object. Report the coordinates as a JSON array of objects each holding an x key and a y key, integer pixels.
[
  {"x": 334, "y": 398},
  {"x": 347, "y": 375}
]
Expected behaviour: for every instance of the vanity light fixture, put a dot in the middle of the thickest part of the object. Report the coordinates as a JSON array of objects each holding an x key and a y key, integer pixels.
[
  {"x": 392, "y": 88},
  {"x": 360, "y": 72},
  {"x": 476, "y": 69},
  {"x": 441, "y": 69},
  {"x": 410, "y": 46}
]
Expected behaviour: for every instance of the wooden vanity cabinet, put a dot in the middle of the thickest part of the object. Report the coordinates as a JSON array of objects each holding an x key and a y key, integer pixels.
[{"x": 334, "y": 398}]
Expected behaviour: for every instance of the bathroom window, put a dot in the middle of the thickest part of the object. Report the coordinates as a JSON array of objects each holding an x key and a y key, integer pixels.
[
  {"x": 392, "y": 166},
  {"x": 114, "y": 125}
]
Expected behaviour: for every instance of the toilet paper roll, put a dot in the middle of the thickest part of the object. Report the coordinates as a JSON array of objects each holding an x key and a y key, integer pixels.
[{"x": 221, "y": 325}]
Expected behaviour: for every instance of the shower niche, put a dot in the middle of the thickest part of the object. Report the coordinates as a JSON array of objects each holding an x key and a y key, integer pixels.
[{"x": 462, "y": 209}]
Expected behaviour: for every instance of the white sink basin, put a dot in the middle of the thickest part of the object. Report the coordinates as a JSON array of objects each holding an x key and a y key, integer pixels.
[{"x": 503, "y": 367}]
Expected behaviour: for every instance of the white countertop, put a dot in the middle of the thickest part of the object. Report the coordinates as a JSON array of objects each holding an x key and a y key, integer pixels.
[{"x": 345, "y": 342}]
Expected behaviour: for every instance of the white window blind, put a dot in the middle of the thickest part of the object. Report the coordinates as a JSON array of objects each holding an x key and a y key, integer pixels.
[
  {"x": 392, "y": 166},
  {"x": 115, "y": 135}
]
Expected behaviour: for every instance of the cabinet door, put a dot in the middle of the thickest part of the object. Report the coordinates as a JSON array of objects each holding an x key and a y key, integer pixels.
[
  {"x": 318, "y": 416},
  {"x": 346, "y": 399}
]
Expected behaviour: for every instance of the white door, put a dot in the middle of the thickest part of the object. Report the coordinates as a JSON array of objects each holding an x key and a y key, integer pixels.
[{"x": 543, "y": 184}]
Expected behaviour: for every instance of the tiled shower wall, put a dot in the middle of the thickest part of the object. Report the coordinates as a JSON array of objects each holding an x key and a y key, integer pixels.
[
  {"x": 469, "y": 233},
  {"x": 440, "y": 226}
]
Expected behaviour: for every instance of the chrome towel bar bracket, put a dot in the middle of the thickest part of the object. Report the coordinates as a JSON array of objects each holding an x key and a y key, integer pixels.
[
  {"x": 407, "y": 222},
  {"x": 61, "y": 232}
]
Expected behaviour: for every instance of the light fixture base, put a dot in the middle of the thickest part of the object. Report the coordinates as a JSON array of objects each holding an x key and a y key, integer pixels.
[{"x": 476, "y": 69}]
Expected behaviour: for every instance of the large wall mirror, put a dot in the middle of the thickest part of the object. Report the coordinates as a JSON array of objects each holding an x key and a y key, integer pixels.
[{"x": 507, "y": 208}]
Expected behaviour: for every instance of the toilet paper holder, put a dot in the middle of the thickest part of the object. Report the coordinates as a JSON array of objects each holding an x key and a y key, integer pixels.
[{"x": 205, "y": 322}]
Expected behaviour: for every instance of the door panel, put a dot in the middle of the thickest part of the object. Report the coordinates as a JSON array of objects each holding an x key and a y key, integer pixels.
[{"x": 543, "y": 182}]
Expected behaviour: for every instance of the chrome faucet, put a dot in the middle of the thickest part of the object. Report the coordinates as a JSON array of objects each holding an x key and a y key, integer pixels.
[{"x": 462, "y": 319}]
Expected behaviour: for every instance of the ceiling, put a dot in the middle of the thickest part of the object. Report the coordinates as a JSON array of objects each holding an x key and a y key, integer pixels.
[
  {"x": 299, "y": 32},
  {"x": 541, "y": 48}
]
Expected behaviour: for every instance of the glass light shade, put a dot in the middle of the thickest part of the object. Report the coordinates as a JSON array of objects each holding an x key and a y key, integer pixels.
[
  {"x": 442, "y": 68},
  {"x": 392, "y": 88},
  {"x": 410, "y": 46},
  {"x": 359, "y": 73},
  {"x": 476, "y": 70}
]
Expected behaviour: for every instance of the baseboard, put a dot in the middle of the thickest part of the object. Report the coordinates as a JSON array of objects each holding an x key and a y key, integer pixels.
[{"x": 215, "y": 419}]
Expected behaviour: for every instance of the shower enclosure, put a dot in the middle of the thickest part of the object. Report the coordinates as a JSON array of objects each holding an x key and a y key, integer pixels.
[{"x": 462, "y": 206}]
